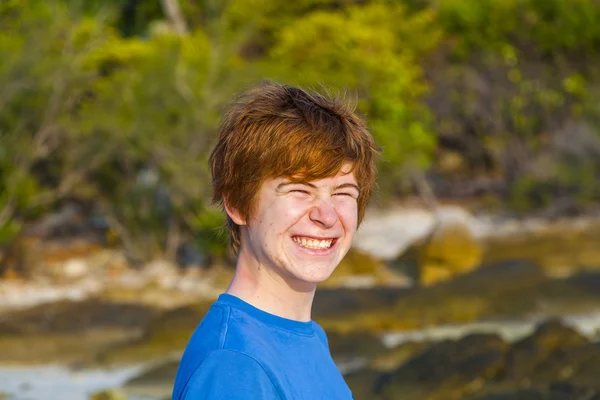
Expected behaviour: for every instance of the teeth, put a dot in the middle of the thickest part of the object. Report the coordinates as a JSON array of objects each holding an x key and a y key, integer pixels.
[{"x": 313, "y": 243}]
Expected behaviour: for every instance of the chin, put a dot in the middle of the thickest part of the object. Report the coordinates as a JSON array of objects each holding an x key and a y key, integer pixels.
[{"x": 316, "y": 278}]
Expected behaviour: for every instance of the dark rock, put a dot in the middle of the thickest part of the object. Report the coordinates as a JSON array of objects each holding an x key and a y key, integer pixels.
[
  {"x": 407, "y": 263},
  {"x": 73, "y": 317},
  {"x": 555, "y": 391},
  {"x": 333, "y": 302},
  {"x": 364, "y": 383},
  {"x": 583, "y": 365},
  {"x": 393, "y": 358},
  {"x": 554, "y": 363},
  {"x": 518, "y": 394},
  {"x": 69, "y": 332},
  {"x": 500, "y": 290},
  {"x": 448, "y": 366},
  {"x": 354, "y": 345},
  {"x": 568, "y": 391},
  {"x": 165, "y": 334},
  {"x": 543, "y": 355},
  {"x": 584, "y": 282},
  {"x": 157, "y": 382}
]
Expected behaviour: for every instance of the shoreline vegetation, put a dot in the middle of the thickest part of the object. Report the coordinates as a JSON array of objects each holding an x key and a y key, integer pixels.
[{"x": 108, "y": 110}]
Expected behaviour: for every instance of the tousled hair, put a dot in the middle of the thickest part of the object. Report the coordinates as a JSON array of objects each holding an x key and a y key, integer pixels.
[{"x": 274, "y": 130}]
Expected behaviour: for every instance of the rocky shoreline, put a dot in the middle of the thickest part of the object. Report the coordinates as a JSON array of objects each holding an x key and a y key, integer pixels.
[
  {"x": 139, "y": 322},
  {"x": 471, "y": 365}
]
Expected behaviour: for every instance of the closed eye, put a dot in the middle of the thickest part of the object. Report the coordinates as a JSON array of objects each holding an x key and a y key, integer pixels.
[
  {"x": 299, "y": 191},
  {"x": 354, "y": 196}
]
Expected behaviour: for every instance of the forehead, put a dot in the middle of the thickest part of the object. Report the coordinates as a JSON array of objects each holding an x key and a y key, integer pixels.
[{"x": 345, "y": 174}]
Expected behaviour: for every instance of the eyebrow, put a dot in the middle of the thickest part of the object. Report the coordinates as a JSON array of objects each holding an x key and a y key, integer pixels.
[
  {"x": 342, "y": 186},
  {"x": 347, "y": 185}
]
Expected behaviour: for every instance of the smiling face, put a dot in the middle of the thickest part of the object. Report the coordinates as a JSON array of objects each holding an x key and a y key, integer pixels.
[{"x": 300, "y": 231}]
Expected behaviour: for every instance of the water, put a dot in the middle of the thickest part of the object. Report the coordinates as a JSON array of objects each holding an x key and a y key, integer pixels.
[
  {"x": 587, "y": 324},
  {"x": 55, "y": 382}
]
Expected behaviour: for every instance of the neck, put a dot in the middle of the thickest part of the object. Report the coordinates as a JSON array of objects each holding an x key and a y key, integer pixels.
[{"x": 271, "y": 292}]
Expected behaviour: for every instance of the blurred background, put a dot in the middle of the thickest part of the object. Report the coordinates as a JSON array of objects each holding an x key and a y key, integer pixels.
[{"x": 475, "y": 275}]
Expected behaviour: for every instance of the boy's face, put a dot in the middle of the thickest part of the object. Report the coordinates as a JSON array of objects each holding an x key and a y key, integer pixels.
[{"x": 301, "y": 231}]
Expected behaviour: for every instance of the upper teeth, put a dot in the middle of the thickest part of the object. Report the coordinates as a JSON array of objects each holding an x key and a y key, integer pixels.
[{"x": 313, "y": 243}]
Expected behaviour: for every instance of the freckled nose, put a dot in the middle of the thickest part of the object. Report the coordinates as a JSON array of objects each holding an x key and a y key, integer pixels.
[{"x": 324, "y": 214}]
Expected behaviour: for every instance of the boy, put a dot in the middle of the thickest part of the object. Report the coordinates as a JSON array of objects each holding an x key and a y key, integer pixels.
[{"x": 294, "y": 172}]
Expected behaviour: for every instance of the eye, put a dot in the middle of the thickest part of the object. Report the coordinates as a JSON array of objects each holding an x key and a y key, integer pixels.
[
  {"x": 299, "y": 191},
  {"x": 345, "y": 194}
]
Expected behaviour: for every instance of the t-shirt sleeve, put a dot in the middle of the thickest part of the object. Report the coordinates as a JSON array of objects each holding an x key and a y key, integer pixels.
[{"x": 229, "y": 375}]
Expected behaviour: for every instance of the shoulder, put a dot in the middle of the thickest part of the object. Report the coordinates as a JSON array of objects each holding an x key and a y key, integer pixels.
[{"x": 228, "y": 374}]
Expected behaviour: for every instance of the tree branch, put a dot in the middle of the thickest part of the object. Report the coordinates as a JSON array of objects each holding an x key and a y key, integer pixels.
[{"x": 173, "y": 12}]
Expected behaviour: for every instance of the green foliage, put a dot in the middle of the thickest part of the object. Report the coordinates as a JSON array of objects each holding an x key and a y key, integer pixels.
[
  {"x": 545, "y": 26},
  {"x": 372, "y": 50},
  {"x": 210, "y": 235},
  {"x": 103, "y": 102},
  {"x": 42, "y": 49},
  {"x": 151, "y": 117},
  {"x": 520, "y": 79}
]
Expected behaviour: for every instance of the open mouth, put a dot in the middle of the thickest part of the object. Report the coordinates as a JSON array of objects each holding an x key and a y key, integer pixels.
[{"x": 312, "y": 243}]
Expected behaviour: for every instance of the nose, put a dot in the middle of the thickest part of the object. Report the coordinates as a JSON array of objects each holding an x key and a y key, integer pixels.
[{"x": 324, "y": 214}]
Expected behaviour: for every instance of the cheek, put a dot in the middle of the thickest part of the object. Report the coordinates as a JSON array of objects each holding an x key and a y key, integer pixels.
[
  {"x": 348, "y": 214},
  {"x": 286, "y": 214},
  {"x": 277, "y": 220}
]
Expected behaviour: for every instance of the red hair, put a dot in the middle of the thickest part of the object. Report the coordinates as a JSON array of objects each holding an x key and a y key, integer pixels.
[{"x": 276, "y": 130}]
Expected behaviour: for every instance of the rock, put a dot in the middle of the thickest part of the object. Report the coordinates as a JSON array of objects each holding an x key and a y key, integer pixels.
[
  {"x": 75, "y": 268},
  {"x": 387, "y": 234},
  {"x": 518, "y": 394},
  {"x": 446, "y": 369},
  {"x": 69, "y": 332},
  {"x": 555, "y": 391},
  {"x": 166, "y": 334},
  {"x": 503, "y": 290},
  {"x": 449, "y": 250},
  {"x": 561, "y": 249},
  {"x": 407, "y": 263},
  {"x": 345, "y": 310},
  {"x": 364, "y": 383},
  {"x": 111, "y": 394},
  {"x": 161, "y": 271},
  {"x": 339, "y": 301},
  {"x": 356, "y": 262},
  {"x": 359, "y": 269},
  {"x": 537, "y": 356},
  {"x": 157, "y": 382},
  {"x": 553, "y": 363},
  {"x": 394, "y": 358},
  {"x": 586, "y": 363},
  {"x": 345, "y": 347},
  {"x": 68, "y": 317},
  {"x": 570, "y": 390}
]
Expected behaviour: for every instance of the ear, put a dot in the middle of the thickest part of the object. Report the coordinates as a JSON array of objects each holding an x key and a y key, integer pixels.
[{"x": 234, "y": 214}]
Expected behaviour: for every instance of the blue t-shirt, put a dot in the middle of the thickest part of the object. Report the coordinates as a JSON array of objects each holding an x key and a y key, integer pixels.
[{"x": 240, "y": 352}]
